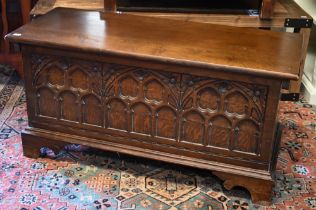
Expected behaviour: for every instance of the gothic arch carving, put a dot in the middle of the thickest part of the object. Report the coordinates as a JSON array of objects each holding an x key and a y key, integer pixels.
[
  {"x": 236, "y": 104},
  {"x": 51, "y": 73},
  {"x": 246, "y": 134},
  {"x": 219, "y": 132},
  {"x": 154, "y": 91},
  {"x": 128, "y": 87},
  {"x": 46, "y": 102},
  {"x": 187, "y": 109},
  {"x": 92, "y": 110},
  {"x": 208, "y": 99},
  {"x": 68, "y": 104},
  {"x": 117, "y": 114},
  {"x": 78, "y": 78},
  {"x": 166, "y": 122},
  {"x": 193, "y": 128},
  {"x": 141, "y": 117}
]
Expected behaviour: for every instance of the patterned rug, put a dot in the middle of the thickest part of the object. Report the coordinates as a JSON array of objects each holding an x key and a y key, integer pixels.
[{"x": 81, "y": 178}]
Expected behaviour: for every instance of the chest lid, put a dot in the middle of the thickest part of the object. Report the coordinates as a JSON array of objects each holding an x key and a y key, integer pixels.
[{"x": 215, "y": 47}]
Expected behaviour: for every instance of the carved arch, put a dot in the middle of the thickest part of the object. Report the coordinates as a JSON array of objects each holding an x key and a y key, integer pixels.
[
  {"x": 192, "y": 127},
  {"x": 141, "y": 116},
  {"x": 170, "y": 82},
  {"x": 46, "y": 102},
  {"x": 78, "y": 77},
  {"x": 52, "y": 72},
  {"x": 219, "y": 132},
  {"x": 255, "y": 94},
  {"x": 117, "y": 114},
  {"x": 68, "y": 104},
  {"x": 246, "y": 136},
  {"x": 208, "y": 99},
  {"x": 128, "y": 87},
  {"x": 154, "y": 91},
  {"x": 236, "y": 104},
  {"x": 56, "y": 76},
  {"x": 166, "y": 122},
  {"x": 92, "y": 110}
]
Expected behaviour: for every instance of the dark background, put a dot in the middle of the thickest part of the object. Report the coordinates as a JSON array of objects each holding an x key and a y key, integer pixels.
[{"x": 214, "y": 6}]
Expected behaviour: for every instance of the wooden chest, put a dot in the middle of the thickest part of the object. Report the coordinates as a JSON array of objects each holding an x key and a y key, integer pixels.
[{"x": 168, "y": 90}]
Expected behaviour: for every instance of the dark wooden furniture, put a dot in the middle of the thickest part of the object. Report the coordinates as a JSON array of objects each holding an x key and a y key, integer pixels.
[
  {"x": 196, "y": 6},
  {"x": 174, "y": 91},
  {"x": 6, "y": 54},
  {"x": 190, "y": 6}
]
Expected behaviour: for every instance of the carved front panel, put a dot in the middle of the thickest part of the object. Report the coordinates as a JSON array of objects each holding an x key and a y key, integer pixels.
[
  {"x": 177, "y": 109},
  {"x": 68, "y": 90}
]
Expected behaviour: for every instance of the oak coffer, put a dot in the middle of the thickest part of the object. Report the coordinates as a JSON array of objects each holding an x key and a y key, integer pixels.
[{"x": 188, "y": 93}]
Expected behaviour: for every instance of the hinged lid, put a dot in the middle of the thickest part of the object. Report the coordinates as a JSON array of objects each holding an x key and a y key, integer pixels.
[{"x": 221, "y": 48}]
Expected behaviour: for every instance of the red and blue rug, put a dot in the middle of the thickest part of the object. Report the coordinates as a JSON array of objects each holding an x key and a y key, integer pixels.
[{"x": 81, "y": 178}]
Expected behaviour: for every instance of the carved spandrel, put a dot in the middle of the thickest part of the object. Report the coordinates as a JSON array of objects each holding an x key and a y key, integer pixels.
[
  {"x": 42, "y": 79},
  {"x": 38, "y": 63},
  {"x": 255, "y": 115}
]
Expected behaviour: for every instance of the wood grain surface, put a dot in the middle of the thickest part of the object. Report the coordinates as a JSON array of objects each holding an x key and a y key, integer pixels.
[{"x": 218, "y": 47}]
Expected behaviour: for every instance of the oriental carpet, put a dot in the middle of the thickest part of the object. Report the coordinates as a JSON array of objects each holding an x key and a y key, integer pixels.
[{"x": 82, "y": 178}]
